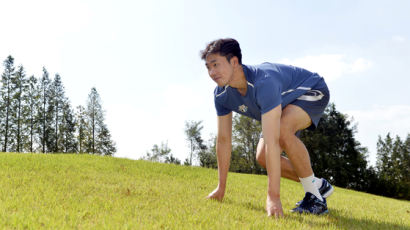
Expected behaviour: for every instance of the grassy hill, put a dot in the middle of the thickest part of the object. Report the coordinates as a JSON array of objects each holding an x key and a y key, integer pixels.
[{"x": 39, "y": 191}]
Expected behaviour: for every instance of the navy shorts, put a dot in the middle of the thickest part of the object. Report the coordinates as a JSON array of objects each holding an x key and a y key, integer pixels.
[{"x": 314, "y": 103}]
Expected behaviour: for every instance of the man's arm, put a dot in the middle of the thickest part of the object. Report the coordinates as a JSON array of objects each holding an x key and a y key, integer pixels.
[
  {"x": 271, "y": 134},
  {"x": 223, "y": 152}
]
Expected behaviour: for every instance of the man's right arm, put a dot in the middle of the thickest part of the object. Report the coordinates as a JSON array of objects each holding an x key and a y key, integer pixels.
[{"x": 223, "y": 152}]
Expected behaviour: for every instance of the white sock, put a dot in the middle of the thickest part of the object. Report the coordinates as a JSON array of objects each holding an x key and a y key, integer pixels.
[{"x": 309, "y": 185}]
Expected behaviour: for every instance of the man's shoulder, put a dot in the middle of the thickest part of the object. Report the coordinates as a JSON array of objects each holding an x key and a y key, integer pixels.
[
  {"x": 219, "y": 91},
  {"x": 265, "y": 72},
  {"x": 265, "y": 69}
]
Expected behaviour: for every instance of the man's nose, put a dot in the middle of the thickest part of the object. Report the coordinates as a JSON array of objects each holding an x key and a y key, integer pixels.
[{"x": 212, "y": 72}]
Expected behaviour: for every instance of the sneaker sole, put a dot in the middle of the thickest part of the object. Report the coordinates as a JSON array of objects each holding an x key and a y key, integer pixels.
[
  {"x": 323, "y": 213},
  {"x": 328, "y": 193}
]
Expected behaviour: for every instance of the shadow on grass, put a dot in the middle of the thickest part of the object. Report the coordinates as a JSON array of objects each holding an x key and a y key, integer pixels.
[
  {"x": 249, "y": 205},
  {"x": 342, "y": 221},
  {"x": 335, "y": 217}
]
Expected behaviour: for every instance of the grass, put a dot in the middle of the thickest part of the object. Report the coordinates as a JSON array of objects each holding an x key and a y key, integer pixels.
[{"x": 39, "y": 191}]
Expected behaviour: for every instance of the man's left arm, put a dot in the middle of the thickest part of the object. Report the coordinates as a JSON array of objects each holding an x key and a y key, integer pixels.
[{"x": 271, "y": 134}]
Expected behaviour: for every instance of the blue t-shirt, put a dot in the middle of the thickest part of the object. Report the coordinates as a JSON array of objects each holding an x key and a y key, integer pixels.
[{"x": 269, "y": 85}]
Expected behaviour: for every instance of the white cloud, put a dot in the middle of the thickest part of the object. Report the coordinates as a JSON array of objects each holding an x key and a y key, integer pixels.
[
  {"x": 398, "y": 39},
  {"x": 330, "y": 66},
  {"x": 378, "y": 121}
]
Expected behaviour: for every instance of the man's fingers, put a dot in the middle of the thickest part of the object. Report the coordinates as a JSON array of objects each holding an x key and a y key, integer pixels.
[
  {"x": 213, "y": 197},
  {"x": 276, "y": 214}
]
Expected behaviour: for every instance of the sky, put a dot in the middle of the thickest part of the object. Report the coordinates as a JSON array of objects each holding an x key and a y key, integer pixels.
[{"x": 143, "y": 58}]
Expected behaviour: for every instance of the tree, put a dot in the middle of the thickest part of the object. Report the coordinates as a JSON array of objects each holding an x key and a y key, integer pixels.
[
  {"x": 35, "y": 116},
  {"x": 172, "y": 160},
  {"x": 57, "y": 103},
  {"x": 384, "y": 151},
  {"x": 32, "y": 106},
  {"x": 68, "y": 129},
  {"x": 7, "y": 93},
  {"x": 100, "y": 141},
  {"x": 160, "y": 154},
  {"x": 393, "y": 167},
  {"x": 246, "y": 134},
  {"x": 193, "y": 134},
  {"x": 19, "y": 85},
  {"x": 208, "y": 157},
  {"x": 104, "y": 144},
  {"x": 94, "y": 113},
  {"x": 83, "y": 136},
  {"x": 45, "y": 113},
  {"x": 187, "y": 162}
]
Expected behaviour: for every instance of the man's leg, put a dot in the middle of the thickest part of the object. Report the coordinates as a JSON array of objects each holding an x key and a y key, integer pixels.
[
  {"x": 293, "y": 119},
  {"x": 287, "y": 170},
  {"x": 286, "y": 167}
]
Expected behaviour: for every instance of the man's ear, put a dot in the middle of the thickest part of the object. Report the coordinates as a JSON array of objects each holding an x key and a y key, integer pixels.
[{"x": 234, "y": 61}]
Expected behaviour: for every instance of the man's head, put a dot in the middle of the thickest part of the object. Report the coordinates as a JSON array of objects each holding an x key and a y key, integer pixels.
[
  {"x": 222, "y": 58},
  {"x": 226, "y": 47}
]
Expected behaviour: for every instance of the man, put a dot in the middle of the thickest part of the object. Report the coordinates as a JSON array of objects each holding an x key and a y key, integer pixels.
[{"x": 285, "y": 99}]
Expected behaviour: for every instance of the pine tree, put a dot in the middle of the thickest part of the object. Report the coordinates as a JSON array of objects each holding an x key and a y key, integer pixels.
[
  {"x": 32, "y": 102},
  {"x": 19, "y": 85},
  {"x": 68, "y": 129},
  {"x": 82, "y": 130},
  {"x": 100, "y": 141},
  {"x": 45, "y": 114},
  {"x": 384, "y": 151},
  {"x": 56, "y": 107},
  {"x": 6, "y": 95},
  {"x": 393, "y": 167},
  {"x": 104, "y": 144},
  {"x": 94, "y": 110}
]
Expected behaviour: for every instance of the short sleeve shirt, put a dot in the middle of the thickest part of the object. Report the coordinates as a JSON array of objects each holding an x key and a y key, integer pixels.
[{"x": 268, "y": 85}]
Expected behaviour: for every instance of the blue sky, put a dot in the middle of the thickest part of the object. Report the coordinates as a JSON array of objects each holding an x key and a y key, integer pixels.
[{"x": 143, "y": 58}]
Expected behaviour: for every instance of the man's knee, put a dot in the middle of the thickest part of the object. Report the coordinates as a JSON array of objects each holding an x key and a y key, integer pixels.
[
  {"x": 287, "y": 136},
  {"x": 260, "y": 157},
  {"x": 260, "y": 153}
]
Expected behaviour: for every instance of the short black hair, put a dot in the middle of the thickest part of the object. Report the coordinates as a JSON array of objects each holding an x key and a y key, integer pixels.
[{"x": 227, "y": 47}]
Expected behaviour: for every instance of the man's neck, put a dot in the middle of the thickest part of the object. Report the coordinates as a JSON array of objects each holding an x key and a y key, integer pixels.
[{"x": 239, "y": 81}]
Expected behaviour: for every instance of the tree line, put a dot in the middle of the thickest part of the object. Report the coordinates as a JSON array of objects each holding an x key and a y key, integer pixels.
[
  {"x": 335, "y": 154},
  {"x": 36, "y": 116}
]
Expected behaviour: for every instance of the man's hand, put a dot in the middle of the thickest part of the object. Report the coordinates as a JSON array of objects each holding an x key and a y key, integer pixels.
[
  {"x": 217, "y": 194},
  {"x": 274, "y": 207}
]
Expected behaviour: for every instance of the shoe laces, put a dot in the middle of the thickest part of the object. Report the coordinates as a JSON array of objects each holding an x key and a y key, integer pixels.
[{"x": 307, "y": 200}]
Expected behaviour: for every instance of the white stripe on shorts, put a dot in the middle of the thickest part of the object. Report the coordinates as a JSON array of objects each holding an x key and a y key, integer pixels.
[{"x": 313, "y": 95}]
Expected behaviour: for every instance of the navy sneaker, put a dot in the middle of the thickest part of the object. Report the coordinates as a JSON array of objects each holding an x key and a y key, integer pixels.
[
  {"x": 311, "y": 204},
  {"x": 325, "y": 190}
]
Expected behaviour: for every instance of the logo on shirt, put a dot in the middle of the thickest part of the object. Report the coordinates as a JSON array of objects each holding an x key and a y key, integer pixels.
[{"x": 243, "y": 108}]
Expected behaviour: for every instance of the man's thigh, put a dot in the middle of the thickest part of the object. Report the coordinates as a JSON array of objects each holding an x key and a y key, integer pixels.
[{"x": 294, "y": 118}]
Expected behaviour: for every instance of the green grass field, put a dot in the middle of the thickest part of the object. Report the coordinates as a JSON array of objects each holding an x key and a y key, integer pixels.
[{"x": 39, "y": 191}]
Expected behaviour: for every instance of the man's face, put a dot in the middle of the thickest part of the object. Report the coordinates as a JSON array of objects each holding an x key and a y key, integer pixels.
[{"x": 219, "y": 69}]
